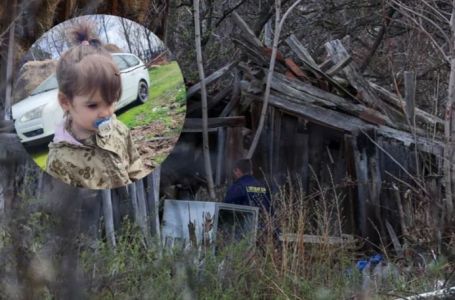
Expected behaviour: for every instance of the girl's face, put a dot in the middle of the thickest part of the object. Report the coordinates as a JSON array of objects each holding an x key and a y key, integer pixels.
[{"x": 84, "y": 111}]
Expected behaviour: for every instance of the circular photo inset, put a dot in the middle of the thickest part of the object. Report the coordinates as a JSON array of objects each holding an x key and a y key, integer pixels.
[{"x": 99, "y": 101}]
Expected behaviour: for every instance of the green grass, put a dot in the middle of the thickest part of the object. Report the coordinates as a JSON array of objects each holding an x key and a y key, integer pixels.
[{"x": 166, "y": 89}]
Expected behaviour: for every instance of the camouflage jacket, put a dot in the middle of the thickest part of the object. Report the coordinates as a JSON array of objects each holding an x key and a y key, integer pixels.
[{"x": 103, "y": 161}]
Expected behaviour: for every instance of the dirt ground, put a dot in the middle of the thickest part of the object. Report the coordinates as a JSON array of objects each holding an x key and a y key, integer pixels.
[{"x": 156, "y": 140}]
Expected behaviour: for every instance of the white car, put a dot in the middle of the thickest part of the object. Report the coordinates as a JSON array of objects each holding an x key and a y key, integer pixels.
[{"x": 36, "y": 116}]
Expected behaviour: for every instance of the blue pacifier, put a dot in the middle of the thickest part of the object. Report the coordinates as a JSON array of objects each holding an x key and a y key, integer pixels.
[{"x": 103, "y": 125}]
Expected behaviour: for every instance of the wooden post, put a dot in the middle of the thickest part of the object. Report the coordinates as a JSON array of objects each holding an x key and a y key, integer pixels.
[
  {"x": 142, "y": 210},
  {"x": 133, "y": 198},
  {"x": 361, "y": 166},
  {"x": 302, "y": 161},
  {"x": 153, "y": 200},
  {"x": 276, "y": 143},
  {"x": 108, "y": 216},
  {"x": 375, "y": 187},
  {"x": 220, "y": 170}
]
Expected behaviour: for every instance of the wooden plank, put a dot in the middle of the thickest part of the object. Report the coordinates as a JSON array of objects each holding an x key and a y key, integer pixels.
[
  {"x": 339, "y": 66},
  {"x": 234, "y": 147},
  {"x": 341, "y": 121},
  {"x": 376, "y": 186},
  {"x": 317, "y": 114},
  {"x": 307, "y": 92},
  {"x": 284, "y": 85},
  {"x": 361, "y": 167},
  {"x": 289, "y": 62},
  {"x": 350, "y": 170},
  {"x": 338, "y": 54},
  {"x": 393, "y": 99},
  {"x": 195, "y": 123},
  {"x": 302, "y": 161},
  {"x": 153, "y": 200},
  {"x": 142, "y": 210},
  {"x": 235, "y": 96},
  {"x": 132, "y": 195},
  {"x": 212, "y": 101},
  {"x": 426, "y": 145},
  {"x": 108, "y": 217},
  {"x": 317, "y": 239},
  {"x": 301, "y": 52},
  {"x": 327, "y": 64},
  {"x": 409, "y": 95},
  {"x": 247, "y": 32},
  {"x": 220, "y": 171},
  {"x": 209, "y": 79},
  {"x": 198, "y": 130}
]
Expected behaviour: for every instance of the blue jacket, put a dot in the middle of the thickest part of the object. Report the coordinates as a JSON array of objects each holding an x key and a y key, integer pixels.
[{"x": 247, "y": 190}]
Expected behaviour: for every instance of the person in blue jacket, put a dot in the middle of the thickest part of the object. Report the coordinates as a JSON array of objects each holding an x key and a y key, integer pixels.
[{"x": 246, "y": 189}]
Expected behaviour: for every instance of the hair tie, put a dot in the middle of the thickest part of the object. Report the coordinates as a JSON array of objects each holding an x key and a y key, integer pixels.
[{"x": 85, "y": 43}]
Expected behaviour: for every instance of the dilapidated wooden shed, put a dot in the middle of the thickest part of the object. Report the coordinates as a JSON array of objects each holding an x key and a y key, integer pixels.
[{"x": 326, "y": 125}]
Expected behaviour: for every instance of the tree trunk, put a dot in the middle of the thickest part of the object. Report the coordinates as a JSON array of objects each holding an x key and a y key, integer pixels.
[
  {"x": 278, "y": 26},
  {"x": 449, "y": 159},
  {"x": 205, "y": 135}
]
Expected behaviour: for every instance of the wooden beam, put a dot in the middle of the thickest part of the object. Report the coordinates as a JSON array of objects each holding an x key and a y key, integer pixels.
[
  {"x": 212, "y": 77},
  {"x": 246, "y": 30},
  {"x": 395, "y": 100},
  {"x": 153, "y": 201},
  {"x": 193, "y": 123},
  {"x": 307, "y": 92},
  {"x": 301, "y": 52},
  {"x": 235, "y": 97},
  {"x": 108, "y": 217},
  {"x": 341, "y": 121}
]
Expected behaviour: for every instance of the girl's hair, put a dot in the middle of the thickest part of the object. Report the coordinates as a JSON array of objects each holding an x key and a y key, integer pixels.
[{"x": 87, "y": 68}]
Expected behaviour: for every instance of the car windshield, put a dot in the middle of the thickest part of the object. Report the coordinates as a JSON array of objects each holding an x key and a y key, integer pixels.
[{"x": 49, "y": 84}]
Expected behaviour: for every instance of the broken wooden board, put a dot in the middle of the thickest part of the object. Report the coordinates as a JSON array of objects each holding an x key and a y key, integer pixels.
[
  {"x": 338, "y": 54},
  {"x": 212, "y": 77},
  {"x": 305, "y": 91},
  {"x": 342, "y": 121},
  {"x": 395, "y": 100},
  {"x": 246, "y": 29},
  {"x": 317, "y": 239},
  {"x": 304, "y": 55}
]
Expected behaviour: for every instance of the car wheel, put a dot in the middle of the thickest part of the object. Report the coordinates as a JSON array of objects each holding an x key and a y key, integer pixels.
[{"x": 143, "y": 92}]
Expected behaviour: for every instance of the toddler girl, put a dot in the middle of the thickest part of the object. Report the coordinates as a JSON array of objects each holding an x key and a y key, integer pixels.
[{"x": 91, "y": 148}]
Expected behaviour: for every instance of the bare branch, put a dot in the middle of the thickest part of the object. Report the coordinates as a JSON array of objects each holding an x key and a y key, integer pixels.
[{"x": 278, "y": 26}]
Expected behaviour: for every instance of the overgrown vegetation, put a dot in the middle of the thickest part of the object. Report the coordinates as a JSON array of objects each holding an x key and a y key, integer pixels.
[{"x": 272, "y": 269}]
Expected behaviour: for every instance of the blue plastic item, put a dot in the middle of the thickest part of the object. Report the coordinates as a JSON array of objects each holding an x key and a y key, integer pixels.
[{"x": 99, "y": 122}]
